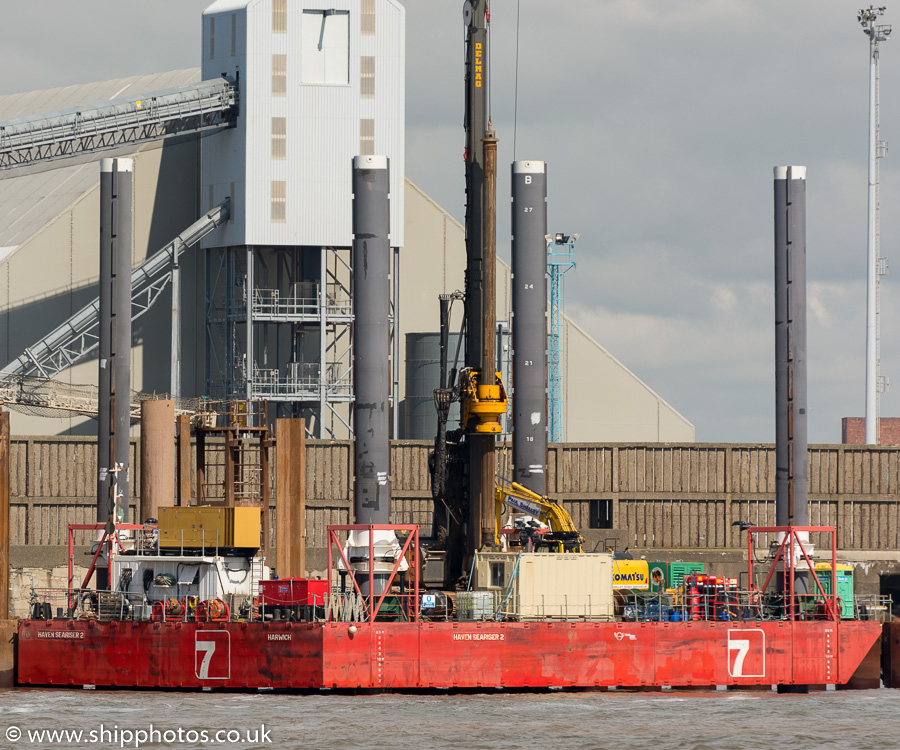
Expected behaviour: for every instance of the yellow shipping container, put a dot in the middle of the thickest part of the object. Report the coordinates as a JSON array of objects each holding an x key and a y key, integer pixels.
[
  {"x": 209, "y": 528},
  {"x": 631, "y": 574},
  {"x": 246, "y": 528}
]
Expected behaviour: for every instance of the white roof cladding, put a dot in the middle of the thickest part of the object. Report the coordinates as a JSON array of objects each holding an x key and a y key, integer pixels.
[
  {"x": 321, "y": 81},
  {"x": 30, "y": 199}
]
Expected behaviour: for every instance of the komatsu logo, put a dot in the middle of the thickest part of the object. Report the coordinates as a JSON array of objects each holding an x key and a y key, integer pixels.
[{"x": 631, "y": 574}]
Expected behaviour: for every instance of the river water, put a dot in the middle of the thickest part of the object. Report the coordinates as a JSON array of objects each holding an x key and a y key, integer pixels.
[{"x": 555, "y": 721}]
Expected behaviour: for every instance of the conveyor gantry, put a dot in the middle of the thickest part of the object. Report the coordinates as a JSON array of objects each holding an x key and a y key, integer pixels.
[
  {"x": 97, "y": 127},
  {"x": 79, "y": 335}
]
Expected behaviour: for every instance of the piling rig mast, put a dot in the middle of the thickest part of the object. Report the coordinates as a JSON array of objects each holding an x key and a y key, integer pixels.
[{"x": 479, "y": 387}]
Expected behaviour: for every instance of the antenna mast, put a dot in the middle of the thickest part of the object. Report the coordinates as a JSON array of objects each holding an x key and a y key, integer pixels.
[{"x": 876, "y": 384}]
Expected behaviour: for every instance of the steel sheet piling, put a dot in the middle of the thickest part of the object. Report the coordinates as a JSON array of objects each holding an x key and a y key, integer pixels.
[
  {"x": 529, "y": 323},
  {"x": 290, "y": 498}
]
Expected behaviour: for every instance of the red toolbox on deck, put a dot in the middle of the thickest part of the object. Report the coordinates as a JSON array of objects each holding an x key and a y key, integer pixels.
[{"x": 292, "y": 591}]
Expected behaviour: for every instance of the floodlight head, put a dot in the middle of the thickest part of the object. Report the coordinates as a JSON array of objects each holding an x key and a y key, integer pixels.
[
  {"x": 559, "y": 238},
  {"x": 576, "y": 236},
  {"x": 868, "y": 15}
]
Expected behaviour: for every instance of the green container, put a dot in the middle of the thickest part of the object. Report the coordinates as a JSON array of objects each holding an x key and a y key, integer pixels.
[
  {"x": 659, "y": 577},
  {"x": 670, "y": 575},
  {"x": 844, "y": 586},
  {"x": 678, "y": 570}
]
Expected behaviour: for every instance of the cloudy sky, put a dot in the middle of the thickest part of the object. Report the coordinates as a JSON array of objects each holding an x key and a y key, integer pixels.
[{"x": 660, "y": 121}]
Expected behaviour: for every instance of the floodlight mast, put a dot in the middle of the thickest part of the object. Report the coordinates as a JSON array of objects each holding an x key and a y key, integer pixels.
[{"x": 876, "y": 266}]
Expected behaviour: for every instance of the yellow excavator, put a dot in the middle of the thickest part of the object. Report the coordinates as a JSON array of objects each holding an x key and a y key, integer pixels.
[{"x": 563, "y": 536}]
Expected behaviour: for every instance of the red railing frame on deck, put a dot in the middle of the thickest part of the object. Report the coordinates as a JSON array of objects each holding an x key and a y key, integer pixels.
[
  {"x": 792, "y": 537},
  {"x": 411, "y": 541},
  {"x": 106, "y": 540}
]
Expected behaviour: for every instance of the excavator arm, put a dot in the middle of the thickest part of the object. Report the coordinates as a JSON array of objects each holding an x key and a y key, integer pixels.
[{"x": 563, "y": 537}]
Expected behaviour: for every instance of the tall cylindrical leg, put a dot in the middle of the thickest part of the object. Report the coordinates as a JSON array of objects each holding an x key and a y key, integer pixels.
[
  {"x": 121, "y": 323},
  {"x": 104, "y": 382},
  {"x": 371, "y": 374},
  {"x": 529, "y": 324},
  {"x": 371, "y": 339},
  {"x": 114, "y": 340},
  {"x": 175, "y": 354},
  {"x": 791, "y": 476},
  {"x": 157, "y": 457}
]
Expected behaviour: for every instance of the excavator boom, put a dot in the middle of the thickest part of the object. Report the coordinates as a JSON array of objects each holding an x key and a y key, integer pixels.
[{"x": 564, "y": 536}]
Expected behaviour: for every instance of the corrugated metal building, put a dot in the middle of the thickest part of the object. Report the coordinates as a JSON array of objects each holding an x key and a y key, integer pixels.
[
  {"x": 49, "y": 233},
  {"x": 49, "y": 229},
  {"x": 319, "y": 84},
  {"x": 306, "y": 110}
]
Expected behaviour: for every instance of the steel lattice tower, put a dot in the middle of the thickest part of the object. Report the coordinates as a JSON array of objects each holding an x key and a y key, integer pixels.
[{"x": 560, "y": 258}]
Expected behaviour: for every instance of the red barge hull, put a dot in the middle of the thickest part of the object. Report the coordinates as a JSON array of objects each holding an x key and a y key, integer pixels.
[{"x": 463, "y": 655}]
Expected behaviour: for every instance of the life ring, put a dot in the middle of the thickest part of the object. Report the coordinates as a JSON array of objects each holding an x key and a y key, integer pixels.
[{"x": 213, "y": 610}]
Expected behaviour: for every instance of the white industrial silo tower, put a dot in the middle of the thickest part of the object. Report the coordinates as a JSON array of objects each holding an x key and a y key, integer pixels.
[{"x": 320, "y": 82}]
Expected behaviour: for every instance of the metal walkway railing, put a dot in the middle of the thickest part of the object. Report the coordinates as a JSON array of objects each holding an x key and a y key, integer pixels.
[{"x": 96, "y": 127}]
